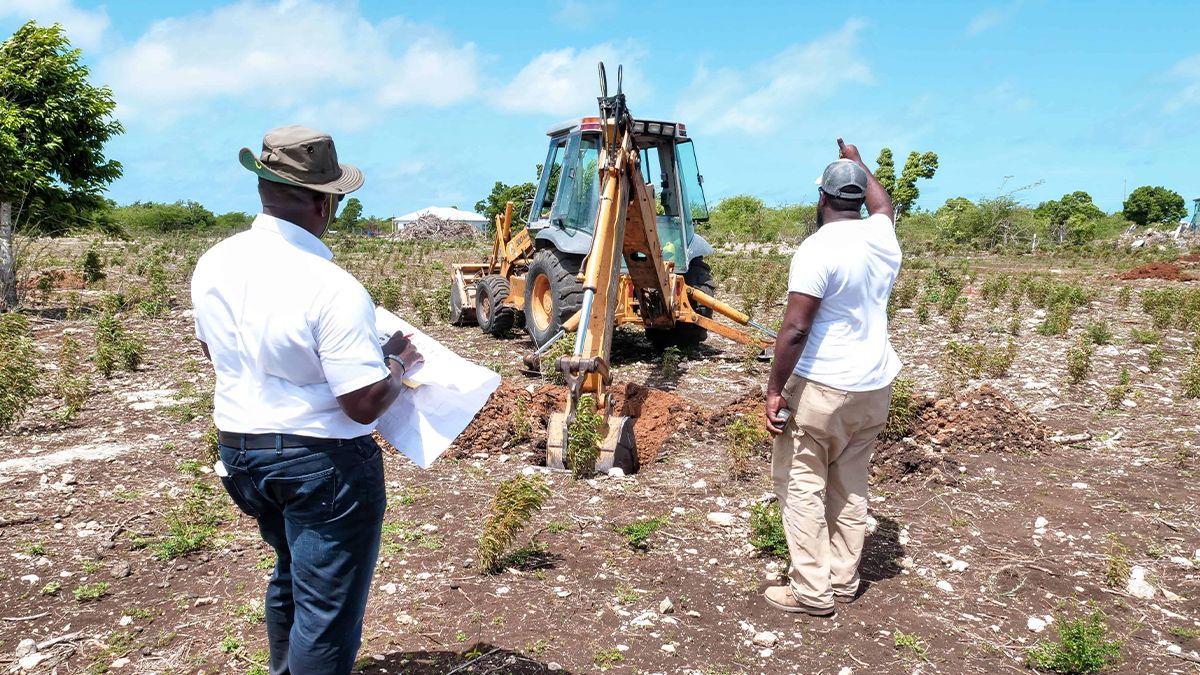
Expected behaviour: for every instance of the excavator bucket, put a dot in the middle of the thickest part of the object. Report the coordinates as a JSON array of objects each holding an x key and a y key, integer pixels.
[{"x": 617, "y": 448}]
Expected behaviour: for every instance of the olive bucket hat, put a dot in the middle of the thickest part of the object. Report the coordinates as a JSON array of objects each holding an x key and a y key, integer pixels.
[{"x": 296, "y": 155}]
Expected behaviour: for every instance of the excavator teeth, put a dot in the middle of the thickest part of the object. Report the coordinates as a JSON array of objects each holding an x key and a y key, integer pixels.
[{"x": 617, "y": 449}]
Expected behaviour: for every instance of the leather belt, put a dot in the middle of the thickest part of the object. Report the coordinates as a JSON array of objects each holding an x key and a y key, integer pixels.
[{"x": 273, "y": 441}]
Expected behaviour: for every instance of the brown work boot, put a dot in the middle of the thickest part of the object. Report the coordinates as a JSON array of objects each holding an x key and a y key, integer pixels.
[{"x": 781, "y": 597}]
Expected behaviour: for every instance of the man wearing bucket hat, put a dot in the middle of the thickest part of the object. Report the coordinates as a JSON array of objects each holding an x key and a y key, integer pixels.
[
  {"x": 301, "y": 379},
  {"x": 830, "y": 385}
]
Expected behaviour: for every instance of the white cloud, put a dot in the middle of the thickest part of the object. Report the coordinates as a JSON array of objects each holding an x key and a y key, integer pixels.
[
  {"x": 1007, "y": 96},
  {"x": 990, "y": 18},
  {"x": 289, "y": 54},
  {"x": 576, "y": 14},
  {"x": 759, "y": 98},
  {"x": 85, "y": 28},
  {"x": 566, "y": 82},
  {"x": 1185, "y": 77}
]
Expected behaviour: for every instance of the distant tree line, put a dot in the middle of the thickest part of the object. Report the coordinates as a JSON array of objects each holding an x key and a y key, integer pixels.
[{"x": 997, "y": 222}]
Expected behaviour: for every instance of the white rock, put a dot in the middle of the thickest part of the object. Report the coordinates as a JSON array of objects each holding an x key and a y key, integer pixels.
[
  {"x": 906, "y": 563},
  {"x": 958, "y": 566},
  {"x": 1035, "y": 624},
  {"x": 616, "y": 472},
  {"x": 26, "y": 647},
  {"x": 1182, "y": 561},
  {"x": 846, "y": 670},
  {"x": 766, "y": 639},
  {"x": 31, "y": 578},
  {"x": 563, "y": 594},
  {"x": 1137, "y": 586},
  {"x": 622, "y": 648},
  {"x": 721, "y": 518},
  {"x": 503, "y": 590},
  {"x": 125, "y": 620},
  {"x": 872, "y": 524},
  {"x": 120, "y": 663},
  {"x": 30, "y": 662},
  {"x": 766, "y": 653},
  {"x": 670, "y": 649},
  {"x": 699, "y": 485},
  {"x": 554, "y": 666},
  {"x": 528, "y": 471},
  {"x": 902, "y": 538},
  {"x": 389, "y": 588},
  {"x": 666, "y": 606},
  {"x": 1079, "y": 486},
  {"x": 422, "y": 576},
  {"x": 644, "y": 620},
  {"x": 693, "y": 613},
  {"x": 945, "y": 586},
  {"x": 1040, "y": 523}
]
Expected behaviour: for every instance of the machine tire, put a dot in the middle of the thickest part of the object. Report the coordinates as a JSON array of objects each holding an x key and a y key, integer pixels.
[
  {"x": 493, "y": 316},
  {"x": 459, "y": 315},
  {"x": 552, "y": 293},
  {"x": 698, "y": 276}
]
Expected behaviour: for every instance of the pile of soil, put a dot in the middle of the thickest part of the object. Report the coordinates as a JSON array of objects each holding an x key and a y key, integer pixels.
[
  {"x": 62, "y": 279},
  {"x": 515, "y": 417},
  {"x": 430, "y": 226},
  {"x": 945, "y": 430},
  {"x": 1190, "y": 258},
  {"x": 749, "y": 404},
  {"x": 1157, "y": 270}
]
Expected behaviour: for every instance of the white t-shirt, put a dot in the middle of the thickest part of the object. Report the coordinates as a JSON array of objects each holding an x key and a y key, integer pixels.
[
  {"x": 288, "y": 332},
  {"x": 850, "y": 265}
]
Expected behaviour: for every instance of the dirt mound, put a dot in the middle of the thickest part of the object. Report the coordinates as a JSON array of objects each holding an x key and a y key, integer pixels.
[
  {"x": 749, "y": 404},
  {"x": 970, "y": 422},
  {"x": 1157, "y": 270},
  {"x": 1190, "y": 258},
  {"x": 430, "y": 226},
  {"x": 58, "y": 278},
  {"x": 514, "y": 416}
]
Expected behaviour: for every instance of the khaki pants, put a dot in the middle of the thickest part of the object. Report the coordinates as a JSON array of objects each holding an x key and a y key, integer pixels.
[{"x": 819, "y": 466}]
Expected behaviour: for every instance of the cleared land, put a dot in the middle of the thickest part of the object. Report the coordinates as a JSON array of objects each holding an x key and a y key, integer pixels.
[{"x": 1031, "y": 500}]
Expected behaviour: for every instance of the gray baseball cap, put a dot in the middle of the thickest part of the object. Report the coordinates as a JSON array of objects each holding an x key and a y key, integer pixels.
[
  {"x": 296, "y": 155},
  {"x": 844, "y": 179}
]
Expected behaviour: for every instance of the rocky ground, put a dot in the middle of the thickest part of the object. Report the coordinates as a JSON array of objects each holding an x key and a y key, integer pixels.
[{"x": 1031, "y": 501}]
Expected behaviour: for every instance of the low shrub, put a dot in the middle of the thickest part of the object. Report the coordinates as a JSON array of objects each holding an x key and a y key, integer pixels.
[
  {"x": 766, "y": 529},
  {"x": 19, "y": 372},
  {"x": 1082, "y": 647},
  {"x": 511, "y": 509},
  {"x": 1079, "y": 362},
  {"x": 744, "y": 434}
]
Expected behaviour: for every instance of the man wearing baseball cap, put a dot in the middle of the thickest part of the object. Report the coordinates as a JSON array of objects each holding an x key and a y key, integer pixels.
[
  {"x": 831, "y": 385},
  {"x": 301, "y": 380}
]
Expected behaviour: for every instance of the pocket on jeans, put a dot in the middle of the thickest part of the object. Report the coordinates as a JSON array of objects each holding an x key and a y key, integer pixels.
[
  {"x": 238, "y": 485},
  {"x": 307, "y": 499}
]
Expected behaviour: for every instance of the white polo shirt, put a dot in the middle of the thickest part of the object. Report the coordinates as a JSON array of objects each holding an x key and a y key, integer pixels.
[
  {"x": 851, "y": 265},
  {"x": 288, "y": 332}
]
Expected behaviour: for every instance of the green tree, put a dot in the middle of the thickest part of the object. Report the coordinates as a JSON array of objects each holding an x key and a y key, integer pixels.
[
  {"x": 521, "y": 195},
  {"x": 1147, "y": 205},
  {"x": 904, "y": 189},
  {"x": 234, "y": 220},
  {"x": 1073, "y": 218},
  {"x": 350, "y": 218},
  {"x": 53, "y": 127},
  {"x": 182, "y": 216}
]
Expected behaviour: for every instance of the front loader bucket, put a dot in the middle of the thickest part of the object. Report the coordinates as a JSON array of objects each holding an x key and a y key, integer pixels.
[{"x": 617, "y": 448}]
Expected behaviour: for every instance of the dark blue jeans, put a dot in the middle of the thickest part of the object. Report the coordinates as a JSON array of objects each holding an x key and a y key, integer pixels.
[{"x": 321, "y": 508}]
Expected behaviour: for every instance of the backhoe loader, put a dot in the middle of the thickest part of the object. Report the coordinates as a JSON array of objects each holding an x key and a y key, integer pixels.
[{"x": 602, "y": 249}]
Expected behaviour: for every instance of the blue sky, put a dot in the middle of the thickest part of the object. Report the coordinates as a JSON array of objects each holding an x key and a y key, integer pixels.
[{"x": 436, "y": 101}]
